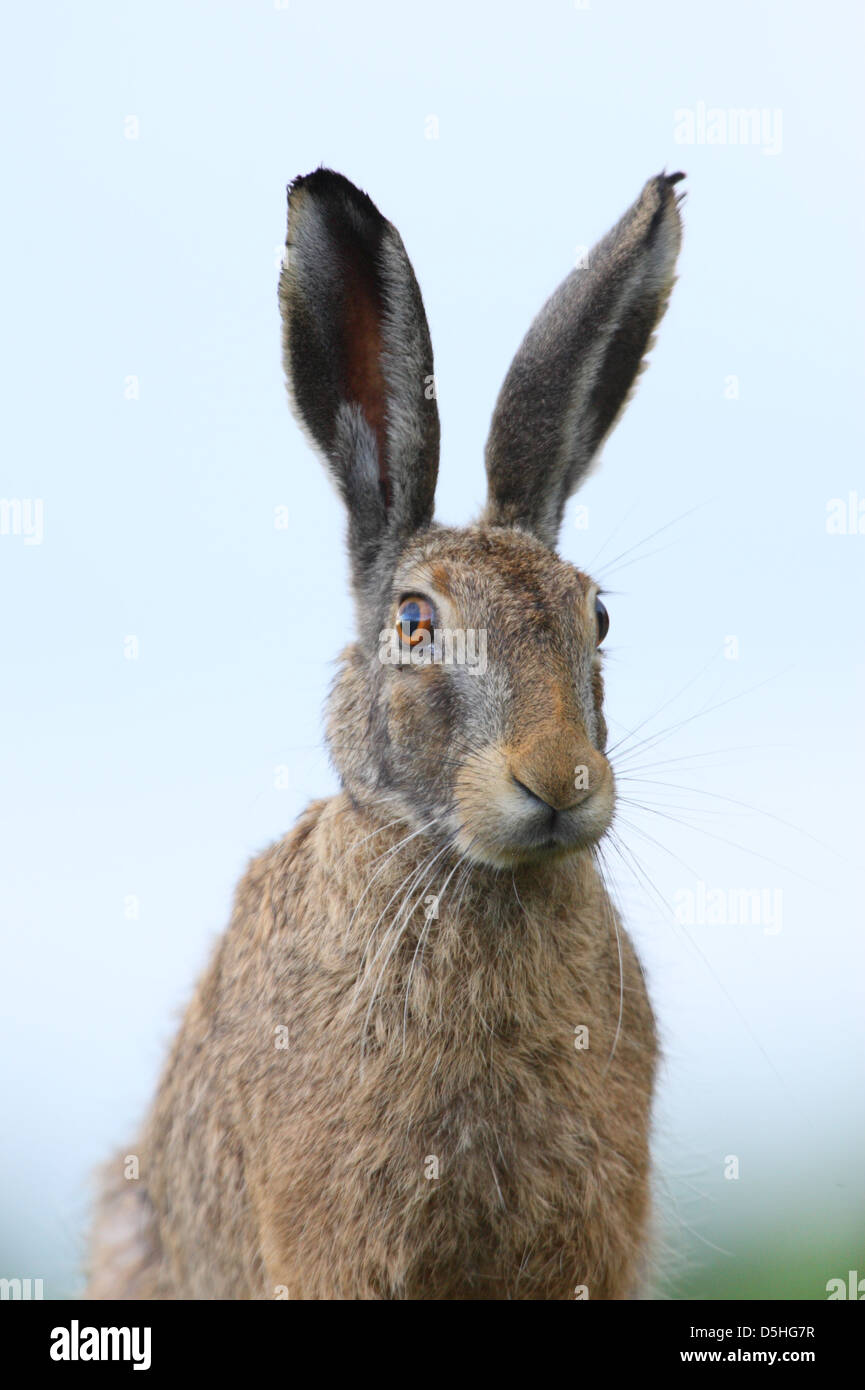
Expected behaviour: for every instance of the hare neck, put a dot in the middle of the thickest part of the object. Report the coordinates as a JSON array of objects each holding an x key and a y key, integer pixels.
[{"x": 409, "y": 883}]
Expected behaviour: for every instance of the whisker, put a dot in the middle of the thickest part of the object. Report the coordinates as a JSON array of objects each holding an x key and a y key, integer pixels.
[
  {"x": 652, "y": 739},
  {"x": 666, "y": 703},
  {"x": 652, "y": 534},
  {"x": 608, "y": 570},
  {"x": 723, "y": 840},
  {"x": 734, "y": 801},
  {"x": 615, "y": 531},
  {"x": 630, "y": 860},
  {"x": 398, "y": 935},
  {"x": 386, "y": 857},
  {"x": 420, "y": 941},
  {"x": 692, "y": 757},
  {"x": 408, "y": 878},
  {"x": 610, "y": 909}
]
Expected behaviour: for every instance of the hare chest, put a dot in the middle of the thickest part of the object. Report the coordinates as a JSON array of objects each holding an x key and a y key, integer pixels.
[{"x": 490, "y": 1140}]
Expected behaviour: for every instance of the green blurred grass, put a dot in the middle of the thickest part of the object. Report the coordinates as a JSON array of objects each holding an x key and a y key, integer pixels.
[{"x": 787, "y": 1265}]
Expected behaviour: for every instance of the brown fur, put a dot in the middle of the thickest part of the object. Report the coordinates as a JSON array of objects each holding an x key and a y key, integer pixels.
[
  {"x": 293, "y": 1168},
  {"x": 304, "y": 1167},
  {"x": 420, "y": 1064}
]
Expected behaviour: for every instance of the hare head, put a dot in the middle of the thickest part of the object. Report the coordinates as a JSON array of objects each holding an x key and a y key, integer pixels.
[{"x": 470, "y": 704}]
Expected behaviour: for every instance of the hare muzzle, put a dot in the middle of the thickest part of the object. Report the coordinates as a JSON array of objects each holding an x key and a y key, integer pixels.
[{"x": 552, "y": 796}]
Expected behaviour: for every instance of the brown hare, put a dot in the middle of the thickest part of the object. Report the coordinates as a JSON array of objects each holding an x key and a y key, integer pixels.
[{"x": 421, "y": 1062}]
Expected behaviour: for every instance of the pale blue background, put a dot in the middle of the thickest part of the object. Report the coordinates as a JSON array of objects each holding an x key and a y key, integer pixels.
[{"x": 157, "y": 257}]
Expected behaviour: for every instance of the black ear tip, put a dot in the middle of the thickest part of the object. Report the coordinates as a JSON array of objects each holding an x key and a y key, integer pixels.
[
  {"x": 328, "y": 186},
  {"x": 318, "y": 178},
  {"x": 665, "y": 183}
]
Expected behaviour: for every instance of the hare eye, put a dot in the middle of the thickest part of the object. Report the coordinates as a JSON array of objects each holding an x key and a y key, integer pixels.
[
  {"x": 602, "y": 618},
  {"x": 414, "y": 617}
]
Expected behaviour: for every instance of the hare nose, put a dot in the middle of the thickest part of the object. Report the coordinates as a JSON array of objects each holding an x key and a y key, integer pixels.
[
  {"x": 560, "y": 772},
  {"x": 565, "y": 800}
]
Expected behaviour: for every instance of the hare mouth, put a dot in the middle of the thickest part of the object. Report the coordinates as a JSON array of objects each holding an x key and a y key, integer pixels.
[{"x": 502, "y": 841}]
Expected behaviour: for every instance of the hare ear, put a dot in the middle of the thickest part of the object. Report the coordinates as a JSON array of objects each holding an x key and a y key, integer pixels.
[
  {"x": 358, "y": 359},
  {"x": 577, "y": 366}
]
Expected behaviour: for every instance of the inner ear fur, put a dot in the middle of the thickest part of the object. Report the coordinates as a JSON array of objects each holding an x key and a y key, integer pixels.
[{"x": 358, "y": 359}]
